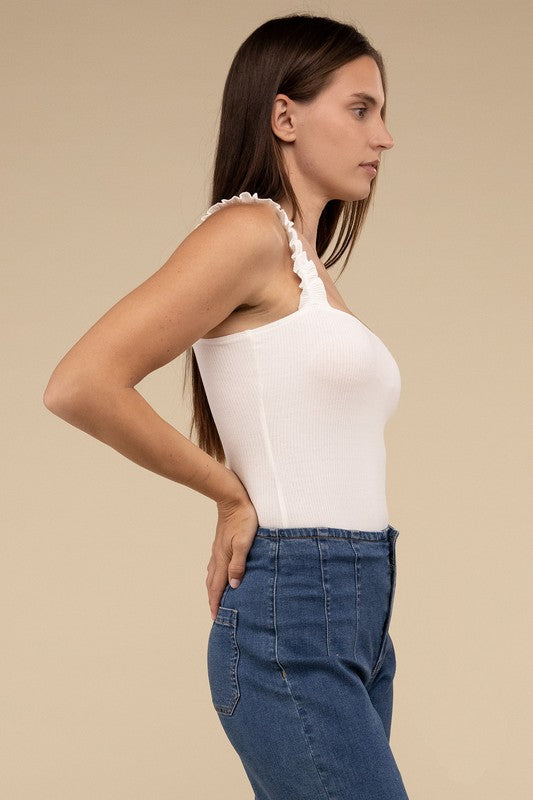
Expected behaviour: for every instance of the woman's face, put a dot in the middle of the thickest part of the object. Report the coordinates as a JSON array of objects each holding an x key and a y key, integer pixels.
[{"x": 326, "y": 141}]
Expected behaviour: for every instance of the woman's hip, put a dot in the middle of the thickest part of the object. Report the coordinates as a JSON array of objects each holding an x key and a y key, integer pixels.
[{"x": 315, "y": 593}]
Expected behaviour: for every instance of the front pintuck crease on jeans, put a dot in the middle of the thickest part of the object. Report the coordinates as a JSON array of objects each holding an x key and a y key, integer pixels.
[{"x": 301, "y": 664}]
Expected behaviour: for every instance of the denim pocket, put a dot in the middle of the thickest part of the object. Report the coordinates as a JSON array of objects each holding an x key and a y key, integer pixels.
[{"x": 222, "y": 660}]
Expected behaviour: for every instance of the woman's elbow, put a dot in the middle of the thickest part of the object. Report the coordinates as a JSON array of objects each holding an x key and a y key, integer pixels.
[{"x": 63, "y": 394}]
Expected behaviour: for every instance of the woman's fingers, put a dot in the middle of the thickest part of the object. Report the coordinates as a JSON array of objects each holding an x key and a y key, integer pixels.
[
  {"x": 223, "y": 568},
  {"x": 236, "y": 529},
  {"x": 215, "y": 590}
]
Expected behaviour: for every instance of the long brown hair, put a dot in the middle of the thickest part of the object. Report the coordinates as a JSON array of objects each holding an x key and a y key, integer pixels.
[{"x": 294, "y": 55}]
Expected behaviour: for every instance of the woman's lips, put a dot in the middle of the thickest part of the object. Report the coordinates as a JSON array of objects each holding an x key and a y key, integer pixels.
[{"x": 370, "y": 169}]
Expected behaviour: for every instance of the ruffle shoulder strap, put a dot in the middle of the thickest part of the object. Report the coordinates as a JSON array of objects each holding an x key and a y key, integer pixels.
[{"x": 311, "y": 284}]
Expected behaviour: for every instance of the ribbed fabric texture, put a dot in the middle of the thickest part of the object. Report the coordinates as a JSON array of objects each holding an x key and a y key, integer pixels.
[{"x": 300, "y": 405}]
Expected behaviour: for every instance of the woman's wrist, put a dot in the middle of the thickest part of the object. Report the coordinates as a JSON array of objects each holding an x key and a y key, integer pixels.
[{"x": 231, "y": 491}]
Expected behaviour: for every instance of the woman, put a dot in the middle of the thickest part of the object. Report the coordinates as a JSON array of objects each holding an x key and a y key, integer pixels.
[{"x": 291, "y": 395}]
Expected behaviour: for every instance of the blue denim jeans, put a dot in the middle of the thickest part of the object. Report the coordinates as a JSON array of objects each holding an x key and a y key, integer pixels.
[{"x": 301, "y": 664}]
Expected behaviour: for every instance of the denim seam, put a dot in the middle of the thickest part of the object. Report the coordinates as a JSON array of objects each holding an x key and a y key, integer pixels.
[
  {"x": 271, "y": 621},
  {"x": 357, "y": 602},
  {"x": 274, "y": 591},
  {"x": 307, "y": 740},
  {"x": 323, "y": 568},
  {"x": 285, "y": 674},
  {"x": 228, "y": 708},
  {"x": 384, "y": 642}
]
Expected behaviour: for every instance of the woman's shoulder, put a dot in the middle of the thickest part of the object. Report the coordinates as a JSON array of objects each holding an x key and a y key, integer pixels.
[
  {"x": 245, "y": 210},
  {"x": 251, "y": 228}
]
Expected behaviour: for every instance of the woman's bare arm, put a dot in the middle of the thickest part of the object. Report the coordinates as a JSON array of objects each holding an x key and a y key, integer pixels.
[
  {"x": 224, "y": 262},
  {"x": 219, "y": 265}
]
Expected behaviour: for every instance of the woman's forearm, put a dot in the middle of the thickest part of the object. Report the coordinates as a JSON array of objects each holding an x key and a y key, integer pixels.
[{"x": 123, "y": 419}]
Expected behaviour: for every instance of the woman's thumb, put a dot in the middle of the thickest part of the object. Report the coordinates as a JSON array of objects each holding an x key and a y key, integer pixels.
[{"x": 236, "y": 571}]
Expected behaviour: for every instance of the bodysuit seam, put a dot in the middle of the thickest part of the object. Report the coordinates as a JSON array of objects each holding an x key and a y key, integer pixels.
[{"x": 266, "y": 434}]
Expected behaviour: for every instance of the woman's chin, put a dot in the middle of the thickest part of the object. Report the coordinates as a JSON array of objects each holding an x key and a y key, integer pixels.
[{"x": 353, "y": 197}]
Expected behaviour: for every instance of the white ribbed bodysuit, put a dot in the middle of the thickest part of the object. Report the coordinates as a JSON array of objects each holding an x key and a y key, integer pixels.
[{"x": 300, "y": 405}]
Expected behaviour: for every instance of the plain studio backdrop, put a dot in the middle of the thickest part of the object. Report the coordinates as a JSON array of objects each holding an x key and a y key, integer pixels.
[{"x": 110, "y": 119}]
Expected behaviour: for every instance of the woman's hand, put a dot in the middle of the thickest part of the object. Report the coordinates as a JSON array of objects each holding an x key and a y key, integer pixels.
[{"x": 236, "y": 528}]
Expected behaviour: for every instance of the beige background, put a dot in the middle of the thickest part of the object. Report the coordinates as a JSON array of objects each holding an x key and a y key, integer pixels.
[{"x": 112, "y": 111}]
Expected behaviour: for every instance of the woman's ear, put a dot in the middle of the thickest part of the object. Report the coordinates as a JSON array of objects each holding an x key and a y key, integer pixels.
[{"x": 283, "y": 119}]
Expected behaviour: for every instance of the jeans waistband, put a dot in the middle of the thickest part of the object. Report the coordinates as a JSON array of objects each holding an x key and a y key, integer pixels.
[{"x": 385, "y": 534}]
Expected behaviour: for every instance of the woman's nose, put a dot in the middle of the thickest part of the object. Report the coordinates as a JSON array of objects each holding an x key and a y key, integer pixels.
[
  {"x": 382, "y": 137},
  {"x": 386, "y": 139}
]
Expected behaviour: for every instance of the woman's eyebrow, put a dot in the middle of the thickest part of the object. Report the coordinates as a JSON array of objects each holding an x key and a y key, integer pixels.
[{"x": 364, "y": 96}]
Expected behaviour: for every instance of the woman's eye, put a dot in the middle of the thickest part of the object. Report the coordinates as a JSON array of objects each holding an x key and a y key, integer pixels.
[{"x": 361, "y": 109}]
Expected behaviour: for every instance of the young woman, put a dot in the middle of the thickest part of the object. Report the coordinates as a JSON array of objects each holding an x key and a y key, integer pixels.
[{"x": 291, "y": 394}]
